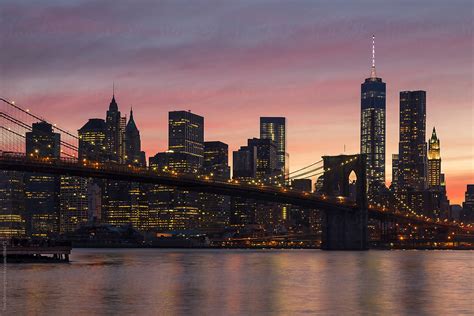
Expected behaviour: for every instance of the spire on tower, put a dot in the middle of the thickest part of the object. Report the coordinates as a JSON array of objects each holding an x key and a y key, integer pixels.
[{"x": 373, "y": 74}]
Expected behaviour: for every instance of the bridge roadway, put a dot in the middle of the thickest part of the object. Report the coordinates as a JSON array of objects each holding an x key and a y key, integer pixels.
[{"x": 72, "y": 167}]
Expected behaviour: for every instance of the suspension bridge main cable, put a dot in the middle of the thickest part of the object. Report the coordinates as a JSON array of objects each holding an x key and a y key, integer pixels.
[
  {"x": 37, "y": 117},
  {"x": 27, "y": 127}
]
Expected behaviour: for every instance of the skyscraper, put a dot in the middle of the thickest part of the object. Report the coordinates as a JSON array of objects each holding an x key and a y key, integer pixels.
[
  {"x": 214, "y": 209},
  {"x": 216, "y": 160},
  {"x": 372, "y": 125},
  {"x": 114, "y": 132},
  {"x": 395, "y": 171},
  {"x": 133, "y": 153},
  {"x": 186, "y": 133},
  {"x": 274, "y": 128},
  {"x": 42, "y": 190},
  {"x": 412, "y": 147},
  {"x": 434, "y": 162},
  {"x": 467, "y": 213},
  {"x": 244, "y": 163},
  {"x": 266, "y": 150},
  {"x": 92, "y": 140},
  {"x": 12, "y": 204}
]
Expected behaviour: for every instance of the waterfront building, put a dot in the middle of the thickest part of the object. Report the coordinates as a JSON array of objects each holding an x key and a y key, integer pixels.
[
  {"x": 12, "y": 204},
  {"x": 73, "y": 202},
  {"x": 372, "y": 126},
  {"x": 42, "y": 190},
  {"x": 171, "y": 209}
]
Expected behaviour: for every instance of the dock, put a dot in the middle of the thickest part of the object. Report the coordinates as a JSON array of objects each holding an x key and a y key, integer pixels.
[{"x": 32, "y": 253}]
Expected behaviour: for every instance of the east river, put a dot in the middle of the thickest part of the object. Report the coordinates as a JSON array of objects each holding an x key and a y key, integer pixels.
[{"x": 244, "y": 282}]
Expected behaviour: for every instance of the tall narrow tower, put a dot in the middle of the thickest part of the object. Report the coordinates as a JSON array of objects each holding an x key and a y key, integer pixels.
[
  {"x": 113, "y": 132},
  {"x": 434, "y": 162},
  {"x": 372, "y": 126}
]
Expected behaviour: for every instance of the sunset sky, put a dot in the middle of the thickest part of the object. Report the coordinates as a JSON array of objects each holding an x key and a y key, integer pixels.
[{"x": 234, "y": 61}]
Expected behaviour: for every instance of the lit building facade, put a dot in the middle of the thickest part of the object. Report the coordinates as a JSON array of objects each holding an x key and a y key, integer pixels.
[
  {"x": 216, "y": 160},
  {"x": 412, "y": 156},
  {"x": 395, "y": 171},
  {"x": 171, "y": 209},
  {"x": 274, "y": 128},
  {"x": 92, "y": 140},
  {"x": 266, "y": 160},
  {"x": 12, "y": 204},
  {"x": 214, "y": 209},
  {"x": 42, "y": 190},
  {"x": 73, "y": 201},
  {"x": 434, "y": 161},
  {"x": 372, "y": 126},
  {"x": 186, "y": 133}
]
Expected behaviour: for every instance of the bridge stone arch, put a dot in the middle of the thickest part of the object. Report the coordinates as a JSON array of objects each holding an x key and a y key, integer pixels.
[{"x": 345, "y": 230}]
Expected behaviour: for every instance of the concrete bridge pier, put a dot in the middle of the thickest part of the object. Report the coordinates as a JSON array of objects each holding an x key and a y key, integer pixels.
[{"x": 344, "y": 230}]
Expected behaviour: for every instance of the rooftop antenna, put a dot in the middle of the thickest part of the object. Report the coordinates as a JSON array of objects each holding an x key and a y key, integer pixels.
[
  {"x": 373, "y": 75},
  {"x": 113, "y": 89}
]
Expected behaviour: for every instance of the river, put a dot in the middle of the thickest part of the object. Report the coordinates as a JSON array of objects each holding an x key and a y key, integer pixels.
[{"x": 244, "y": 282}]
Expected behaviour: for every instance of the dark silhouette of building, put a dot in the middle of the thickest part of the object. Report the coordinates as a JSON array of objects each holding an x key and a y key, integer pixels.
[
  {"x": 274, "y": 128},
  {"x": 244, "y": 164},
  {"x": 372, "y": 126},
  {"x": 133, "y": 153},
  {"x": 304, "y": 185},
  {"x": 467, "y": 213},
  {"x": 114, "y": 134},
  {"x": 42, "y": 190}
]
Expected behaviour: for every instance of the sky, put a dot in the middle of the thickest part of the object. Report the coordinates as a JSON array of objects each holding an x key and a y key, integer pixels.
[{"x": 234, "y": 61}]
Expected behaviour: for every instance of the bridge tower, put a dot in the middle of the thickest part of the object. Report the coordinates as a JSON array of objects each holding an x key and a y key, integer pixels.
[{"x": 345, "y": 229}]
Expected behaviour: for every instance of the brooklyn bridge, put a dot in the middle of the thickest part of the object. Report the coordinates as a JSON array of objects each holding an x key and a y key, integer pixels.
[{"x": 345, "y": 216}]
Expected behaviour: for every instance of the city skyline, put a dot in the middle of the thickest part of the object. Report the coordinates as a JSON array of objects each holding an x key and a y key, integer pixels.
[{"x": 301, "y": 87}]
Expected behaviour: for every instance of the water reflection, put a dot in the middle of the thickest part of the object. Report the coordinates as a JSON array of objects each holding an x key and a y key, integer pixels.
[{"x": 233, "y": 282}]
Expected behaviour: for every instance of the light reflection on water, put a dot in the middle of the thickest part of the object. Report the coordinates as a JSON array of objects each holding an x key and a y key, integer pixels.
[{"x": 233, "y": 282}]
